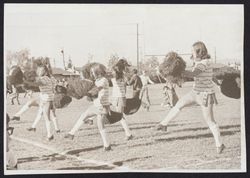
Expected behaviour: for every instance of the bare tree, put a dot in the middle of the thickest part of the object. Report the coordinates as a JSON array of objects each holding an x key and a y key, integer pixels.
[{"x": 113, "y": 59}]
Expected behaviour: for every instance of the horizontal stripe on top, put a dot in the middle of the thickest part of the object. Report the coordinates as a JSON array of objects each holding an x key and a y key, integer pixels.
[
  {"x": 103, "y": 94},
  {"x": 119, "y": 89},
  {"x": 47, "y": 89},
  {"x": 203, "y": 81}
]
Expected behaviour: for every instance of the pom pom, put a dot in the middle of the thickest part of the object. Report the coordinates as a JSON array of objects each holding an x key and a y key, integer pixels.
[
  {"x": 229, "y": 86},
  {"x": 113, "y": 117},
  {"x": 78, "y": 88},
  {"x": 172, "y": 67},
  {"x": 61, "y": 100},
  {"x": 132, "y": 105},
  {"x": 16, "y": 76},
  {"x": 30, "y": 76}
]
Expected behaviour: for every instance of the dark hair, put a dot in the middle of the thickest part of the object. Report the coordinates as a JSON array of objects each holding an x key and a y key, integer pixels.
[
  {"x": 135, "y": 71},
  {"x": 200, "y": 50},
  {"x": 47, "y": 72},
  {"x": 99, "y": 70},
  {"x": 118, "y": 73}
]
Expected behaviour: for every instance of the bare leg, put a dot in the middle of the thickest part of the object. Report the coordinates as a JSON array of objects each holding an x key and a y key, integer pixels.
[
  {"x": 84, "y": 116},
  {"x": 184, "y": 101},
  {"x": 38, "y": 117},
  {"x": 209, "y": 118},
  {"x": 147, "y": 96},
  {"x": 30, "y": 103},
  {"x": 17, "y": 98}
]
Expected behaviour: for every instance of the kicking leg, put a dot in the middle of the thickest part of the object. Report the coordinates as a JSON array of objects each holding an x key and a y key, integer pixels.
[
  {"x": 30, "y": 103},
  {"x": 184, "y": 101},
  {"x": 37, "y": 119},
  {"x": 84, "y": 116}
]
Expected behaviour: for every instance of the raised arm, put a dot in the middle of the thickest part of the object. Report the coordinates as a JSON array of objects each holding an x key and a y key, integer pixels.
[
  {"x": 191, "y": 74},
  {"x": 197, "y": 70},
  {"x": 36, "y": 83}
]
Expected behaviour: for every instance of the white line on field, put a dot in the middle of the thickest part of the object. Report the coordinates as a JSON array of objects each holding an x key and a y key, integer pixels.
[{"x": 64, "y": 153}]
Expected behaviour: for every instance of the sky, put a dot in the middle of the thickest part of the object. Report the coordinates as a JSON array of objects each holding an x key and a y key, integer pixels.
[{"x": 99, "y": 30}]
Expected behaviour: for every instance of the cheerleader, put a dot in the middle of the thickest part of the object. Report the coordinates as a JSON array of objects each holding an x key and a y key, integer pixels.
[
  {"x": 46, "y": 86},
  {"x": 100, "y": 107},
  {"x": 202, "y": 93},
  {"x": 119, "y": 99}
]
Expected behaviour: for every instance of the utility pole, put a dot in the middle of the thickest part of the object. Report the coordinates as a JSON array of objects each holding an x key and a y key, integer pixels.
[
  {"x": 137, "y": 44},
  {"x": 62, "y": 51}
]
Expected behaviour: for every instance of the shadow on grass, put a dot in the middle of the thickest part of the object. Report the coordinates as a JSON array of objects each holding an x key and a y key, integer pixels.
[
  {"x": 206, "y": 128},
  {"x": 136, "y": 128},
  {"x": 102, "y": 167},
  {"x": 78, "y": 151},
  {"x": 186, "y": 137},
  {"x": 51, "y": 157},
  {"x": 120, "y": 163}
]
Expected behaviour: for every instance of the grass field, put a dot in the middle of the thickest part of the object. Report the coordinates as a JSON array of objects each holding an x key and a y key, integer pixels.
[{"x": 188, "y": 144}]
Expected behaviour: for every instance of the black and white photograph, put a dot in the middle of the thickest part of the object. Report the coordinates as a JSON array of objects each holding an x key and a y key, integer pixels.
[{"x": 106, "y": 88}]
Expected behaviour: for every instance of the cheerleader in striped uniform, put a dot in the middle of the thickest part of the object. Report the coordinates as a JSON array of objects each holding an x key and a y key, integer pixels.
[
  {"x": 202, "y": 93},
  {"x": 46, "y": 86},
  {"x": 119, "y": 99}
]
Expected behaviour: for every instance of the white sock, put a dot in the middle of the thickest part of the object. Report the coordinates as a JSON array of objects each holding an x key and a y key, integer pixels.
[
  {"x": 104, "y": 137},
  {"x": 22, "y": 110},
  {"x": 216, "y": 133},
  {"x": 171, "y": 115},
  {"x": 125, "y": 127},
  {"x": 48, "y": 127}
]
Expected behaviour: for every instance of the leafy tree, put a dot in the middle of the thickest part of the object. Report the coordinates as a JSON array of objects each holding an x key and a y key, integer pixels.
[{"x": 21, "y": 58}]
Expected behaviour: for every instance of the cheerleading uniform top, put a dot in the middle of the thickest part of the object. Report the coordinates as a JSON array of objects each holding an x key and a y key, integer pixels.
[
  {"x": 47, "y": 88},
  {"x": 203, "y": 82},
  {"x": 103, "y": 94},
  {"x": 119, "y": 88}
]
